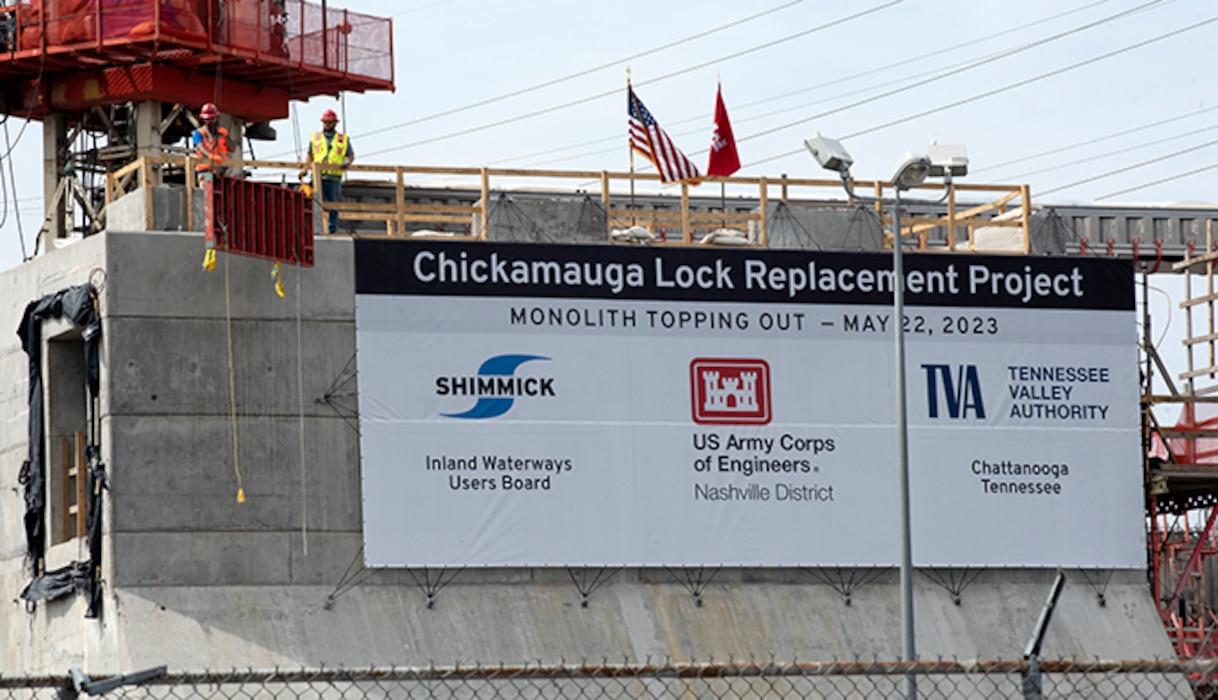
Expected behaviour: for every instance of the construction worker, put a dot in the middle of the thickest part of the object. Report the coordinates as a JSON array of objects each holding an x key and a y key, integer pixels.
[
  {"x": 210, "y": 142},
  {"x": 333, "y": 151}
]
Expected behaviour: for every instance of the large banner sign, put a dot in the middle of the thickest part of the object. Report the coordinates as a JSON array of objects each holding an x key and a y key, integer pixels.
[{"x": 567, "y": 405}]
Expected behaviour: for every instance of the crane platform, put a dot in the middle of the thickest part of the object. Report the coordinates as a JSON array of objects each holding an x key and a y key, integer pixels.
[{"x": 251, "y": 56}]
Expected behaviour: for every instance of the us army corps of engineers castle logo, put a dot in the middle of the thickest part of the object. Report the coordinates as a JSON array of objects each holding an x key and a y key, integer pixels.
[{"x": 729, "y": 391}]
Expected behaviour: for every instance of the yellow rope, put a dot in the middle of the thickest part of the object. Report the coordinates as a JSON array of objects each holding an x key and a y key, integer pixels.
[
  {"x": 304, "y": 500},
  {"x": 232, "y": 383}
]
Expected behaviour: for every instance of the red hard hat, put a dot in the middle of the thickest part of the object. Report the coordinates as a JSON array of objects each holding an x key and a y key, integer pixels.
[
  {"x": 329, "y": 116},
  {"x": 209, "y": 111}
]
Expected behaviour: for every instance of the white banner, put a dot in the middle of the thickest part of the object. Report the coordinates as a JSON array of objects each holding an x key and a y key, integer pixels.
[{"x": 549, "y": 430}]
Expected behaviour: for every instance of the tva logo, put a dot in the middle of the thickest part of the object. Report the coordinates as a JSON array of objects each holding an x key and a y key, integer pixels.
[
  {"x": 961, "y": 390},
  {"x": 495, "y": 386}
]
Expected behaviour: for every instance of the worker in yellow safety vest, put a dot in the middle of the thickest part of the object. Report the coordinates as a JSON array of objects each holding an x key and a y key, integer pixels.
[
  {"x": 332, "y": 149},
  {"x": 210, "y": 142}
]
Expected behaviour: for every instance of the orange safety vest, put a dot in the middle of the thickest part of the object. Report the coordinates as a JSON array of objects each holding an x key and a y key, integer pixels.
[
  {"x": 211, "y": 149},
  {"x": 330, "y": 152}
]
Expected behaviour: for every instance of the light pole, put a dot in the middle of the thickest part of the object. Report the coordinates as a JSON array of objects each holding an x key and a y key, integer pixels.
[
  {"x": 912, "y": 170},
  {"x": 910, "y": 173}
]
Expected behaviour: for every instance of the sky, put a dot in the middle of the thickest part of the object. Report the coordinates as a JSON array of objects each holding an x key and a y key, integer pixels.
[{"x": 1109, "y": 101}]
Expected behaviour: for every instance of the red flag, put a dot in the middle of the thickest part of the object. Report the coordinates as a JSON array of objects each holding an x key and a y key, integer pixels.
[{"x": 723, "y": 157}]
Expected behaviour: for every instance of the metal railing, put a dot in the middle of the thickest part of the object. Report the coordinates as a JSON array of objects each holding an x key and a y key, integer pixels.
[
  {"x": 296, "y": 33},
  {"x": 683, "y": 222},
  {"x": 725, "y": 680}
]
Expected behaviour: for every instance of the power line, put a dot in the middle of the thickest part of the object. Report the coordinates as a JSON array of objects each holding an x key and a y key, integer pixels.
[
  {"x": 921, "y": 83},
  {"x": 1144, "y": 185},
  {"x": 747, "y": 105},
  {"x": 956, "y": 69},
  {"x": 930, "y": 54},
  {"x": 951, "y": 68},
  {"x": 1135, "y": 166},
  {"x": 1098, "y": 139},
  {"x": 745, "y": 120},
  {"x": 1109, "y": 154},
  {"x": 579, "y": 74},
  {"x": 617, "y": 91},
  {"x": 13, "y": 179},
  {"x": 420, "y": 8},
  {"x": 1007, "y": 87}
]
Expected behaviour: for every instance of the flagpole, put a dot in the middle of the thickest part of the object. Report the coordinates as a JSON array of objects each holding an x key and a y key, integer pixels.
[
  {"x": 723, "y": 203},
  {"x": 630, "y": 146},
  {"x": 725, "y": 163},
  {"x": 722, "y": 184}
]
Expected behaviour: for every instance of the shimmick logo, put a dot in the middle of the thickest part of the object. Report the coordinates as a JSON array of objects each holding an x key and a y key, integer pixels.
[
  {"x": 495, "y": 386},
  {"x": 959, "y": 387}
]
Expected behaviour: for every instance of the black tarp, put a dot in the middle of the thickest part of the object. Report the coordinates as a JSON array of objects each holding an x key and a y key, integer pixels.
[{"x": 77, "y": 305}]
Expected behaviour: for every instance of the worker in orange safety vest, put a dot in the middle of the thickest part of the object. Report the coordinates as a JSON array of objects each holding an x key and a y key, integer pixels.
[
  {"x": 332, "y": 149},
  {"x": 210, "y": 142}
]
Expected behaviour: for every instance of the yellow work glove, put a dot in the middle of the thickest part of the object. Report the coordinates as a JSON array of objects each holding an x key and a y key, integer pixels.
[{"x": 209, "y": 259}]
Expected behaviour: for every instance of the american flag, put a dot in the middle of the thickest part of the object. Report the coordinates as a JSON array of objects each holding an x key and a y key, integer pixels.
[{"x": 650, "y": 141}]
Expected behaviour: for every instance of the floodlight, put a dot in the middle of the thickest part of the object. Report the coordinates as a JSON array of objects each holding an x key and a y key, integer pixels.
[
  {"x": 911, "y": 171},
  {"x": 830, "y": 153},
  {"x": 947, "y": 159}
]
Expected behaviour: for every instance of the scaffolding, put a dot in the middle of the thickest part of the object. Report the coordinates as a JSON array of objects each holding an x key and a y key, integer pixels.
[{"x": 1182, "y": 465}]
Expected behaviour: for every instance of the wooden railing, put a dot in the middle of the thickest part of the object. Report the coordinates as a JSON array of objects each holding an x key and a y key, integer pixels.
[
  {"x": 619, "y": 193},
  {"x": 73, "y": 500}
]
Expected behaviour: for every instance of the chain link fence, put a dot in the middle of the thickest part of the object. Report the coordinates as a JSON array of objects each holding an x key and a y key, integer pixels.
[{"x": 728, "y": 681}]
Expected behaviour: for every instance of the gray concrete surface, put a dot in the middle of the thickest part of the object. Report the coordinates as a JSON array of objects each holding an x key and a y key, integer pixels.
[{"x": 195, "y": 580}]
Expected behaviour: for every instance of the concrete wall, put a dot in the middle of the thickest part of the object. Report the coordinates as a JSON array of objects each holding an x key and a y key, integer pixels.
[{"x": 194, "y": 579}]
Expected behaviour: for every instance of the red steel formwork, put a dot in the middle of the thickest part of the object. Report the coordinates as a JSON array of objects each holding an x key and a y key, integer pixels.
[
  {"x": 259, "y": 219},
  {"x": 249, "y": 56}
]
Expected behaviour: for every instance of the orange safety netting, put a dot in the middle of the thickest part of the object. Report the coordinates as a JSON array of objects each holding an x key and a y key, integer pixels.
[
  {"x": 292, "y": 31},
  {"x": 70, "y": 22}
]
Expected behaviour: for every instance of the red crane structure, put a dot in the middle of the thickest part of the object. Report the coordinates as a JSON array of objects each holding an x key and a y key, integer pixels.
[{"x": 116, "y": 80}]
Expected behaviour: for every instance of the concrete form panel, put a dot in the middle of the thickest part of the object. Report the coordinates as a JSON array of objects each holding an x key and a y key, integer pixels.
[
  {"x": 180, "y": 366},
  {"x": 221, "y": 627},
  {"x": 161, "y": 275},
  {"x": 177, "y": 475}
]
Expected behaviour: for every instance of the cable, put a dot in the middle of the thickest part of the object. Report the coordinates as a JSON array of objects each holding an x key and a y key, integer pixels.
[
  {"x": 9, "y": 146},
  {"x": 581, "y": 73},
  {"x": 4, "y": 184},
  {"x": 13, "y": 178},
  {"x": 1005, "y": 88},
  {"x": 755, "y": 117},
  {"x": 232, "y": 385},
  {"x": 1109, "y": 154},
  {"x": 1142, "y": 164},
  {"x": 1144, "y": 185},
  {"x": 1098, "y": 139},
  {"x": 570, "y": 76},
  {"x": 915, "y": 59},
  {"x": 304, "y": 493},
  {"x": 962, "y": 67},
  {"x": 703, "y": 118},
  {"x": 296, "y": 131},
  {"x": 420, "y": 8},
  {"x": 948, "y": 74},
  {"x": 617, "y": 91}
]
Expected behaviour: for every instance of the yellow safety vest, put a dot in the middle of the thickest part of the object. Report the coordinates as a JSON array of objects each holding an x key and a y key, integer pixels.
[{"x": 329, "y": 152}]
